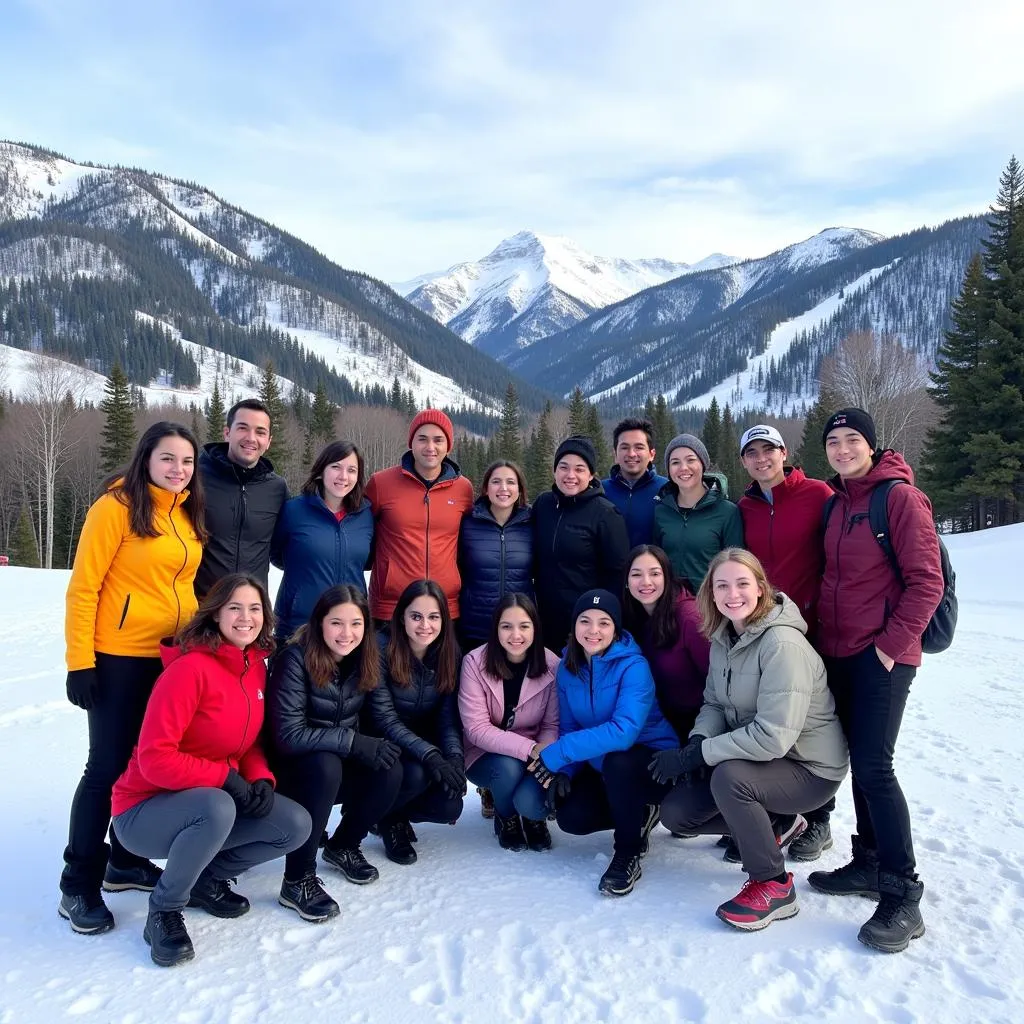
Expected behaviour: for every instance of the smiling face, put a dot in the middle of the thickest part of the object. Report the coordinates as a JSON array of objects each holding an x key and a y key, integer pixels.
[
  {"x": 343, "y": 628},
  {"x": 594, "y": 631},
  {"x": 646, "y": 580},
  {"x": 422, "y": 621},
  {"x": 248, "y": 437},
  {"x": 764, "y": 462},
  {"x": 736, "y": 593},
  {"x": 339, "y": 478},
  {"x": 633, "y": 454},
  {"x": 572, "y": 475},
  {"x": 502, "y": 488},
  {"x": 848, "y": 453},
  {"x": 686, "y": 470},
  {"x": 172, "y": 464},
  {"x": 515, "y": 633},
  {"x": 241, "y": 619},
  {"x": 429, "y": 447}
]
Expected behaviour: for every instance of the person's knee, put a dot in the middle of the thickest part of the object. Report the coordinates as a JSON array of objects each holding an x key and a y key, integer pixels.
[
  {"x": 678, "y": 808},
  {"x": 215, "y": 806},
  {"x": 414, "y": 776},
  {"x": 530, "y": 799},
  {"x": 873, "y": 773},
  {"x": 293, "y": 821},
  {"x": 505, "y": 774}
]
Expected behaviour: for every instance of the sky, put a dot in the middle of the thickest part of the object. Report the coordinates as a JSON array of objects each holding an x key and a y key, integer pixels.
[{"x": 404, "y": 136}]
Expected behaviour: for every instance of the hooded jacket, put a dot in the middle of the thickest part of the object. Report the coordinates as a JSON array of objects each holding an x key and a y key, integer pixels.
[
  {"x": 636, "y": 503},
  {"x": 767, "y": 697},
  {"x": 862, "y": 602}
]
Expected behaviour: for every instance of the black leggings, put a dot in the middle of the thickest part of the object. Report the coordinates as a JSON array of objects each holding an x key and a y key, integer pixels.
[{"x": 420, "y": 798}]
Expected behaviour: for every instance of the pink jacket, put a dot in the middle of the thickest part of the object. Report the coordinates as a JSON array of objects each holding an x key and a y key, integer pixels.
[{"x": 482, "y": 707}]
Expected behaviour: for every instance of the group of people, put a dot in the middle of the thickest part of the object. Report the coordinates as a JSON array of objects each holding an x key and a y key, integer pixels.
[{"x": 637, "y": 649}]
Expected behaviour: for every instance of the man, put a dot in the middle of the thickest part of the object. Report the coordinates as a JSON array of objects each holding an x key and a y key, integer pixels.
[
  {"x": 243, "y": 497},
  {"x": 782, "y": 516},
  {"x": 418, "y": 507},
  {"x": 633, "y": 482}
]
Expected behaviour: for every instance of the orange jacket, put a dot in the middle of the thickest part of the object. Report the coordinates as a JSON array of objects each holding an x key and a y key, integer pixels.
[
  {"x": 128, "y": 592},
  {"x": 417, "y": 534}
]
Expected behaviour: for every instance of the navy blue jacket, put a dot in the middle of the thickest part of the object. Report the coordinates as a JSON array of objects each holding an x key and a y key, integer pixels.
[
  {"x": 636, "y": 503},
  {"x": 317, "y": 552},
  {"x": 494, "y": 561}
]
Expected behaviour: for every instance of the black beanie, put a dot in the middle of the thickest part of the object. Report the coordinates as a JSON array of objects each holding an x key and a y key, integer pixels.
[
  {"x": 605, "y": 600},
  {"x": 855, "y": 419},
  {"x": 579, "y": 445}
]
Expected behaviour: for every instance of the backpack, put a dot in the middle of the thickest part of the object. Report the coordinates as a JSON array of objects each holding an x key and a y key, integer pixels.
[{"x": 938, "y": 634}]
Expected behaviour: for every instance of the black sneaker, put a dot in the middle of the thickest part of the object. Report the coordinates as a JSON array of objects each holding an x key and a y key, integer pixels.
[
  {"x": 214, "y": 895},
  {"x": 653, "y": 811},
  {"x": 813, "y": 843},
  {"x": 486, "y": 802},
  {"x": 308, "y": 898},
  {"x": 352, "y": 864},
  {"x": 786, "y": 829},
  {"x": 87, "y": 915},
  {"x": 621, "y": 876},
  {"x": 857, "y": 878},
  {"x": 538, "y": 837},
  {"x": 141, "y": 877},
  {"x": 897, "y": 918},
  {"x": 167, "y": 938},
  {"x": 510, "y": 832},
  {"x": 396, "y": 841}
]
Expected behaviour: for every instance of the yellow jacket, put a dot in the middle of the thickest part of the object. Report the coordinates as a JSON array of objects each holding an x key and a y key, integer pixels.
[{"x": 128, "y": 592}]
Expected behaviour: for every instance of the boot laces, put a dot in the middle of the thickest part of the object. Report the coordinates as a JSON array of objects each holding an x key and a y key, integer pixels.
[
  {"x": 888, "y": 907},
  {"x": 174, "y": 924},
  {"x": 754, "y": 894}
]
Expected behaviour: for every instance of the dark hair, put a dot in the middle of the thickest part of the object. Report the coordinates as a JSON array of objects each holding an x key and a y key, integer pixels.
[
  {"x": 662, "y": 624},
  {"x": 399, "y": 656},
  {"x": 202, "y": 629},
  {"x": 632, "y": 423},
  {"x": 133, "y": 490},
  {"x": 575, "y": 657},
  {"x": 320, "y": 661},
  {"x": 246, "y": 403},
  {"x": 522, "y": 500},
  {"x": 335, "y": 452},
  {"x": 496, "y": 663}
]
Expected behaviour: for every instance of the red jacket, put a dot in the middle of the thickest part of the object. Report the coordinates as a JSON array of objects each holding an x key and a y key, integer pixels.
[
  {"x": 417, "y": 533},
  {"x": 862, "y": 602},
  {"x": 204, "y": 717},
  {"x": 785, "y": 534}
]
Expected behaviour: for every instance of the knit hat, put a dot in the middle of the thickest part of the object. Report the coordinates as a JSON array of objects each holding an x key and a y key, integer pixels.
[
  {"x": 691, "y": 442},
  {"x": 579, "y": 445},
  {"x": 761, "y": 432},
  {"x": 854, "y": 419},
  {"x": 604, "y": 600},
  {"x": 439, "y": 419}
]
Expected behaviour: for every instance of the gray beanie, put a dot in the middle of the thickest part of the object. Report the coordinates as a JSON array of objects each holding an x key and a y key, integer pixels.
[{"x": 688, "y": 441}]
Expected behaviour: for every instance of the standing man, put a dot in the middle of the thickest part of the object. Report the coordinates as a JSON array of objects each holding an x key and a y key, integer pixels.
[
  {"x": 418, "y": 506},
  {"x": 243, "y": 497},
  {"x": 633, "y": 481}
]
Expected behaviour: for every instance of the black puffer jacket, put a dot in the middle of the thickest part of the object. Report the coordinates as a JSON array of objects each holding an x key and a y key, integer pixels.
[
  {"x": 494, "y": 560},
  {"x": 242, "y": 506}
]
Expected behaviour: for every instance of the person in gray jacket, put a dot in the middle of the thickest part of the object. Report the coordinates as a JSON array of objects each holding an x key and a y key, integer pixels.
[{"x": 766, "y": 742}]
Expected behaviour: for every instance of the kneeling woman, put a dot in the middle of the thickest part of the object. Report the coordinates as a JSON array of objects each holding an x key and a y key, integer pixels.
[
  {"x": 317, "y": 688},
  {"x": 198, "y": 789},
  {"x": 509, "y": 707},
  {"x": 767, "y": 731},
  {"x": 609, "y": 728},
  {"x": 417, "y": 709}
]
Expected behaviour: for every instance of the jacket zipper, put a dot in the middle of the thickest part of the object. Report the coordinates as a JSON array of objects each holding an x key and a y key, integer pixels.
[
  {"x": 248, "y": 704},
  {"x": 174, "y": 582},
  {"x": 501, "y": 576},
  {"x": 426, "y": 501},
  {"x": 243, "y": 515}
]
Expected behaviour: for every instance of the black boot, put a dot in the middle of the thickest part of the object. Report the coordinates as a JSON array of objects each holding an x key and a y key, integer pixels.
[
  {"x": 397, "y": 846},
  {"x": 308, "y": 898},
  {"x": 858, "y": 878},
  {"x": 87, "y": 915},
  {"x": 814, "y": 841},
  {"x": 140, "y": 877},
  {"x": 621, "y": 876},
  {"x": 897, "y": 918},
  {"x": 509, "y": 832},
  {"x": 167, "y": 939},
  {"x": 352, "y": 864},
  {"x": 214, "y": 895},
  {"x": 537, "y": 835}
]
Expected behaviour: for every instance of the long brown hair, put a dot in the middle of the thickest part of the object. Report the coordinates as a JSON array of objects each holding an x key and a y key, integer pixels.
[
  {"x": 202, "y": 629},
  {"x": 399, "y": 656},
  {"x": 496, "y": 663},
  {"x": 522, "y": 501},
  {"x": 320, "y": 661},
  {"x": 331, "y": 453},
  {"x": 662, "y": 624},
  {"x": 711, "y": 617}
]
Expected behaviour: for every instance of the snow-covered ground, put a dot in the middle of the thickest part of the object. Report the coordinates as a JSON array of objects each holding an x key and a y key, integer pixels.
[{"x": 472, "y": 934}]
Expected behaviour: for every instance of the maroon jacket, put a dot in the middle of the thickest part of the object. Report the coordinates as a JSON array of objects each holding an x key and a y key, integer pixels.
[
  {"x": 785, "y": 534},
  {"x": 862, "y": 602}
]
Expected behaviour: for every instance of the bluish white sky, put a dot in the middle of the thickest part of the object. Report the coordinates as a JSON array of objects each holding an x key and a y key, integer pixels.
[{"x": 402, "y": 136}]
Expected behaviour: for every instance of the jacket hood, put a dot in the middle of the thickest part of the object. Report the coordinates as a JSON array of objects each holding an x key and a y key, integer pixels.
[
  {"x": 791, "y": 476},
  {"x": 888, "y": 465},
  {"x": 449, "y": 467},
  {"x": 785, "y": 613},
  {"x": 482, "y": 510},
  {"x": 215, "y": 456},
  {"x": 623, "y": 649},
  {"x": 228, "y": 654},
  {"x": 594, "y": 490}
]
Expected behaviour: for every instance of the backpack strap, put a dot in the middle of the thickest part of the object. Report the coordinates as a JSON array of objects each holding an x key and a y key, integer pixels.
[{"x": 878, "y": 518}]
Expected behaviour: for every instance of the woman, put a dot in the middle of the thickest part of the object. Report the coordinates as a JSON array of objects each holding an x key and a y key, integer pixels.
[
  {"x": 509, "y": 708},
  {"x": 579, "y": 539},
  {"x": 198, "y": 790},
  {"x": 323, "y": 536},
  {"x": 131, "y": 585},
  {"x": 767, "y": 731},
  {"x": 693, "y": 520},
  {"x": 870, "y": 621},
  {"x": 417, "y": 710},
  {"x": 609, "y": 727},
  {"x": 317, "y": 688}
]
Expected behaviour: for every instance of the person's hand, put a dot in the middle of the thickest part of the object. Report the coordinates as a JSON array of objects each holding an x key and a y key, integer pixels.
[
  {"x": 83, "y": 687},
  {"x": 692, "y": 759},
  {"x": 453, "y": 779},
  {"x": 237, "y": 788},
  {"x": 375, "y": 753},
  {"x": 666, "y": 765},
  {"x": 387, "y": 755},
  {"x": 261, "y": 799},
  {"x": 887, "y": 662},
  {"x": 434, "y": 761},
  {"x": 558, "y": 789},
  {"x": 540, "y": 771}
]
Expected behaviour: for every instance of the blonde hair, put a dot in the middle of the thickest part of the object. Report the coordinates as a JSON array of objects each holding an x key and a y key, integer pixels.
[{"x": 711, "y": 617}]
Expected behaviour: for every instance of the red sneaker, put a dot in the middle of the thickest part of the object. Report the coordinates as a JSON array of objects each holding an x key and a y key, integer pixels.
[{"x": 757, "y": 904}]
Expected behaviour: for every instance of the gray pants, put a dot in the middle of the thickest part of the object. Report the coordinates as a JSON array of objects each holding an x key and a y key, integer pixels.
[
  {"x": 197, "y": 830},
  {"x": 738, "y": 799}
]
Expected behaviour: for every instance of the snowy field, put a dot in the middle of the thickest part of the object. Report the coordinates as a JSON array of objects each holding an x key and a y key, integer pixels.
[{"x": 474, "y": 934}]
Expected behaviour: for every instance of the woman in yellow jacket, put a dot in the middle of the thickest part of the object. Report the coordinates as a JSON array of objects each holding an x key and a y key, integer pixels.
[{"x": 131, "y": 585}]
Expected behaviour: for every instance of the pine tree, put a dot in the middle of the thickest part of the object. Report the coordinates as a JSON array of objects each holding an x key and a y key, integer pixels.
[
  {"x": 279, "y": 451},
  {"x": 119, "y": 422},
  {"x": 595, "y": 431},
  {"x": 215, "y": 415},
  {"x": 711, "y": 434},
  {"x": 508, "y": 440},
  {"x": 577, "y": 412},
  {"x": 729, "y": 455},
  {"x": 664, "y": 426},
  {"x": 541, "y": 456},
  {"x": 24, "y": 549},
  {"x": 321, "y": 425},
  {"x": 811, "y": 457}
]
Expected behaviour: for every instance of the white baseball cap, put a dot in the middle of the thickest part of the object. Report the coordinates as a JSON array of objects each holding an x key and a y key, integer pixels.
[{"x": 761, "y": 432}]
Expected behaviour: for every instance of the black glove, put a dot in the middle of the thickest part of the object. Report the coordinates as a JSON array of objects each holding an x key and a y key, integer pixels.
[
  {"x": 83, "y": 686},
  {"x": 434, "y": 761},
  {"x": 540, "y": 771},
  {"x": 668, "y": 765},
  {"x": 558, "y": 790},
  {"x": 692, "y": 759},
  {"x": 237, "y": 788},
  {"x": 261, "y": 799},
  {"x": 373, "y": 752},
  {"x": 453, "y": 778}
]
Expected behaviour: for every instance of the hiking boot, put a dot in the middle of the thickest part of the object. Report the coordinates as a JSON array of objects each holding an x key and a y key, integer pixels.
[
  {"x": 486, "y": 802},
  {"x": 858, "y": 878},
  {"x": 141, "y": 877},
  {"x": 786, "y": 829},
  {"x": 214, "y": 895},
  {"x": 509, "y": 832},
  {"x": 352, "y": 864},
  {"x": 308, "y": 898},
  {"x": 620, "y": 877},
  {"x": 813, "y": 843},
  {"x": 652, "y": 812},
  {"x": 723, "y": 842},
  {"x": 87, "y": 915},
  {"x": 167, "y": 938},
  {"x": 757, "y": 904},
  {"x": 397, "y": 844},
  {"x": 897, "y": 918},
  {"x": 538, "y": 837},
  {"x": 409, "y": 831}
]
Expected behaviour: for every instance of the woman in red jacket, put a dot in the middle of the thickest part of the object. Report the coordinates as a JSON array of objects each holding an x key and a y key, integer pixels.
[{"x": 197, "y": 789}]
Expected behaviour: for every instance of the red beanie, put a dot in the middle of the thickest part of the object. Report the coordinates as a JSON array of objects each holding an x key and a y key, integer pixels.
[{"x": 436, "y": 417}]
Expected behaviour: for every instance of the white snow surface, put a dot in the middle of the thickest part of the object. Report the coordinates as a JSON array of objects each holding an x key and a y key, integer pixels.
[{"x": 471, "y": 933}]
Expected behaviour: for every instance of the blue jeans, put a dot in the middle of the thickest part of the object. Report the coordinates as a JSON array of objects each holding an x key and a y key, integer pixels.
[{"x": 514, "y": 790}]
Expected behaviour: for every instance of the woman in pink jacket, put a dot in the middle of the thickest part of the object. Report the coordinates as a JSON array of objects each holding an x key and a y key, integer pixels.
[{"x": 509, "y": 708}]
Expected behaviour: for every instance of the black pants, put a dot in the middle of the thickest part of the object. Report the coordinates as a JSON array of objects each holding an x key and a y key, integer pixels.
[
  {"x": 869, "y": 704},
  {"x": 114, "y": 723},
  {"x": 420, "y": 798},
  {"x": 320, "y": 780},
  {"x": 615, "y": 798}
]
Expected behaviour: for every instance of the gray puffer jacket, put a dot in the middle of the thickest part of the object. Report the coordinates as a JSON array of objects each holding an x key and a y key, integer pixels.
[{"x": 766, "y": 697}]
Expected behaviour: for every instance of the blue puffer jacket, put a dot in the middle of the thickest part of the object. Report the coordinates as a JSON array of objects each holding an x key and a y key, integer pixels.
[
  {"x": 608, "y": 706},
  {"x": 316, "y": 552},
  {"x": 494, "y": 561}
]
